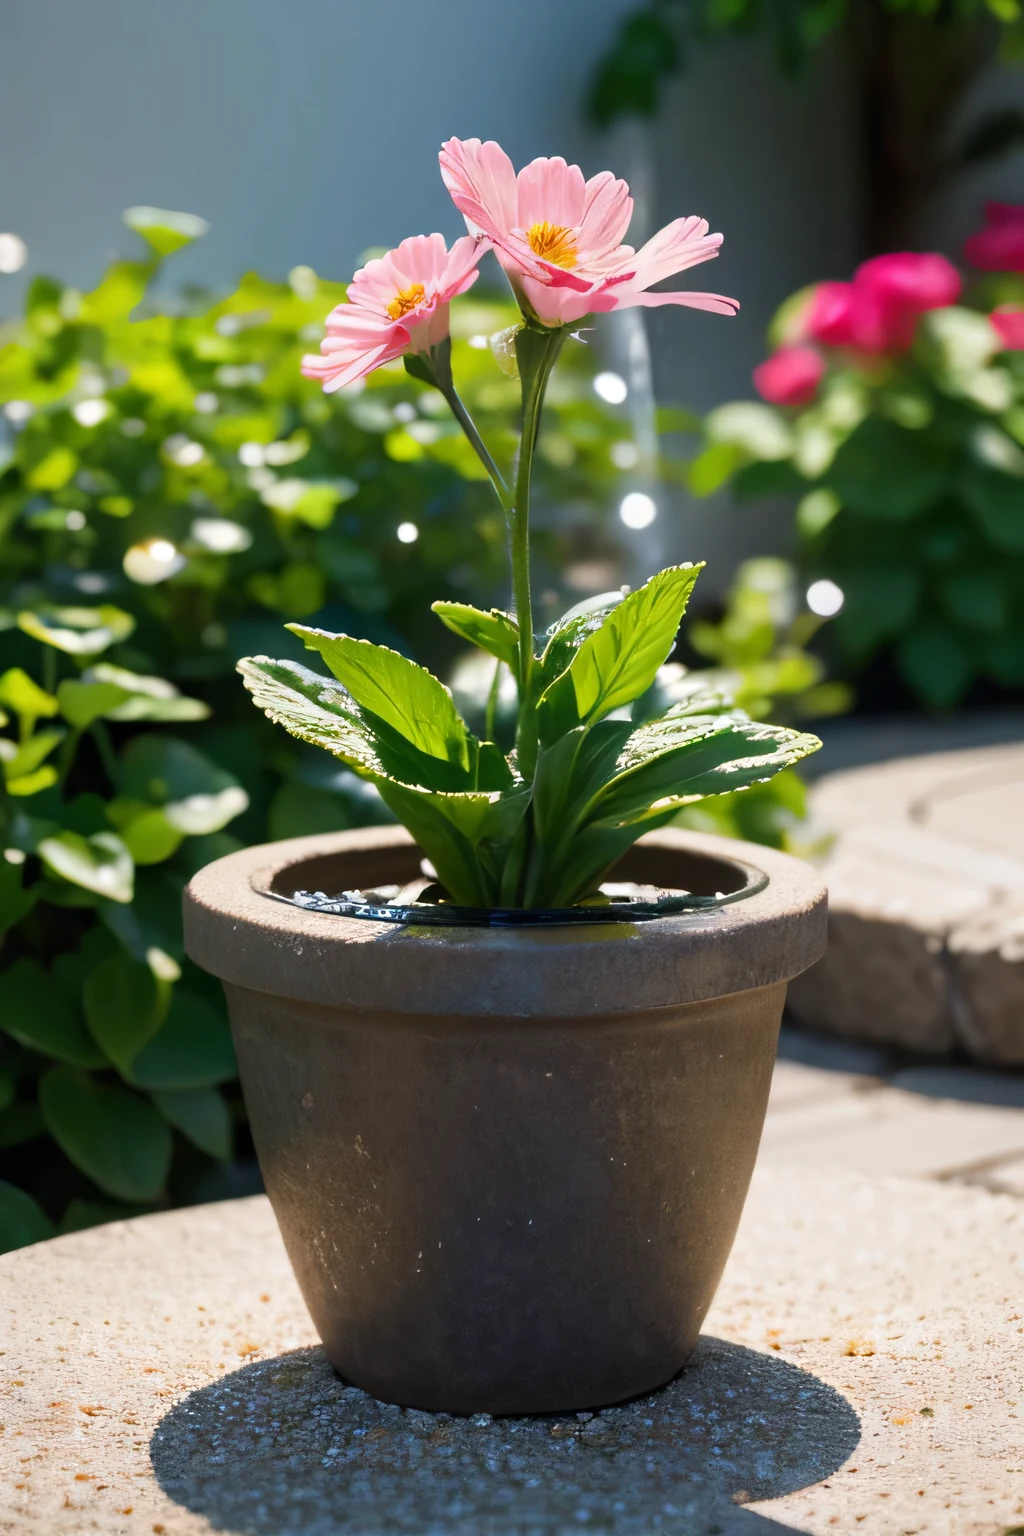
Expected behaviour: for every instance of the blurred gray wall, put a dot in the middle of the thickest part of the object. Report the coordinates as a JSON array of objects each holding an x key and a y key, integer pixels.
[{"x": 307, "y": 130}]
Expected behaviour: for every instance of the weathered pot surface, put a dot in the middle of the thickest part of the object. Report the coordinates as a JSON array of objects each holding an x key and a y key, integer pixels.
[{"x": 508, "y": 1164}]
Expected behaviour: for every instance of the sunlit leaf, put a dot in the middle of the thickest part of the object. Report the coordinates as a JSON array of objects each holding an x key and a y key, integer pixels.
[
  {"x": 78, "y": 631},
  {"x": 396, "y": 690},
  {"x": 20, "y": 694},
  {"x": 164, "y": 231},
  {"x": 495, "y": 632},
  {"x": 100, "y": 863}
]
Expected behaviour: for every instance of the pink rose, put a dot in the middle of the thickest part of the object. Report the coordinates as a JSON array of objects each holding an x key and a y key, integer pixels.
[
  {"x": 790, "y": 376},
  {"x": 879, "y": 310},
  {"x": 1008, "y": 321},
  {"x": 999, "y": 247}
]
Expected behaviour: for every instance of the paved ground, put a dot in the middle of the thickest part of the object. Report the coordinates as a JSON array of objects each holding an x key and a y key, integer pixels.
[
  {"x": 861, "y": 1370},
  {"x": 875, "y": 1112}
]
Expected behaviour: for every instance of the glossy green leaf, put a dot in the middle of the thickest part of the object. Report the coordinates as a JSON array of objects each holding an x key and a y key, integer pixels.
[
  {"x": 568, "y": 633},
  {"x": 192, "y": 1048},
  {"x": 619, "y": 660},
  {"x": 78, "y": 631},
  {"x": 115, "y": 1137},
  {"x": 201, "y": 1114},
  {"x": 147, "y": 832},
  {"x": 405, "y": 696},
  {"x": 124, "y": 1006},
  {"x": 100, "y": 863},
  {"x": 22, "y": 1220},
  {"x": 494, "y": 632},
  {"x": 38, "y": 1014}
]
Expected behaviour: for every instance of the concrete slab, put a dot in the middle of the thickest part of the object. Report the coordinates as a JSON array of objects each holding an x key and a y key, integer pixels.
[{"x": 861, "y": 1370}]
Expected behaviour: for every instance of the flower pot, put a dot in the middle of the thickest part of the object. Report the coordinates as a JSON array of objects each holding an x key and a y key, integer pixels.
[{"x": 508, "y": 1164}]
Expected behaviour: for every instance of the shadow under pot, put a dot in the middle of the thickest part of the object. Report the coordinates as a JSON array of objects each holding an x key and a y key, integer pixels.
[{"x": 508, "y": 1164}]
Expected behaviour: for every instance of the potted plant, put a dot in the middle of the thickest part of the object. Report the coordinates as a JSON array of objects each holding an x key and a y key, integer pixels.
[{"x": 507, "y": 1119}]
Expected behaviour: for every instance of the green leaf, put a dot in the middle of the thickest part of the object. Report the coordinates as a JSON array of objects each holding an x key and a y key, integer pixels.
[
  {"x": 25, "y": 759},
  {"x": 567, "y": 634},
  {"x": 78, "y": 631},
  {"x": 494, "y": 632},
  {"x": 82, "y": 703},
  {"x": 16, "y": 901},
  {"x": 100, "y": 863},
  {"x": 396, "y": 690},
  {"x": 20, "y": 1123},
  {"x": 618, "y": 661},
  {"x": 977, "y": 600},
  {"x": 196, "y": 795},
  {"x": 317, "y": 710},
  {"x": 115, "y": 1137},
  {"x": 450, "y": 829},
  {"x": 886, "y": 471},
  {"x": 936, "y": 665},
  {"x": 124, "y": 1005},
  {"x": 683, "y": 757},
  {"x": 997, "y": 502},
  {"x": 192, "y": 1048},
  {"x": 201, "y": 1114},
  {"x": 146, "y": 698},
  {"x": 22, "y": 1221},
  {"x": 38, "y": 1014},
  {"x": 147, "y": 834},
  {"x": 26, "y": 698},
  {"x": 163, "y": 231},
  {"x": 710, "y": 470}
]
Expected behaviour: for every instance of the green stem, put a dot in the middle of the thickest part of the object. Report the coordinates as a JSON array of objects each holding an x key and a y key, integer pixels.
[
  {"x": 478, "y": 445},
  {"x": 536, "y": 351},
  {"x": 491, "y": 712},
  {"x": 101, "y": 736}
]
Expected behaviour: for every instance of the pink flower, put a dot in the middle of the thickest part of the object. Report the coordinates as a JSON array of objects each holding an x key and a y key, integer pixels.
[
  {"x": 999, "y": 247},
  {"x": 879, "y": 310},
  {"x": 559, "y": 238},
  {"x": 1008, "y": 321},
  {"x": 790, "y": 376},
  {"x": 396, "y": 304}
]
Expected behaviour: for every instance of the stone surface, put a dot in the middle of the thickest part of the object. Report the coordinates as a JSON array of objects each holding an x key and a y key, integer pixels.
[
  {"x": 861, "y": 1370},
  {"x": 926, "y": 905}
]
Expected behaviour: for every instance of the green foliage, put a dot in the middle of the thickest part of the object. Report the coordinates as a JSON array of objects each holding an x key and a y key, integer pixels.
[
  {"x": 171, "y": 491},
  {"x": 654, "y": 43},
  {"x": 541, "y": 826},
  {"x": 909, "y": 479}
]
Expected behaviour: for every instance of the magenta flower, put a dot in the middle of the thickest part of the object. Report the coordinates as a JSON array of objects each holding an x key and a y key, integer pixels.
[
  {"x": 1008, "y": 322},
  {"x": 396, "y": 304},
  {"x": 559, "y": 238},
  {"x": 999, "y": 247},
  {"x": 879, "y": 310},
  {"x": 790, "y": 376}
]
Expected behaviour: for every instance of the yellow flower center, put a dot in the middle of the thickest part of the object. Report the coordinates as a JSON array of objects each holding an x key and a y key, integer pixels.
[
  {"x": 553, "y": 242},
  {"x": 409, "y": 299}
]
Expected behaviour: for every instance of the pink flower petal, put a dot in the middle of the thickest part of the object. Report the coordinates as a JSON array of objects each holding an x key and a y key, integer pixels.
[
  {"x": 607, "y": 211},
  {"x": 551, "y": 192},
  {"x": 682, "y": 244},
  {"x": 482, "y": 184},
  {"x": 715, "y": 303}
]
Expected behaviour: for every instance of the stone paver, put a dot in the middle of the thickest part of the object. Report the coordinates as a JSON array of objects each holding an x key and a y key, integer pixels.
[
  {"x": 926, "y": 902},
  {"x": 861, "y": 1370},
  {"x": 843, "y": 1105}
]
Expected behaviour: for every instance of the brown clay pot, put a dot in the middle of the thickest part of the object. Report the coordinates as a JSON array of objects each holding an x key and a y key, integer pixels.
[{"x": 508, "y": 1164}]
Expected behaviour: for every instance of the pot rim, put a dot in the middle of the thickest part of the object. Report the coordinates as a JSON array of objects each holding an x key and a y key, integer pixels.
[{"x": 236, "y": 929}]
